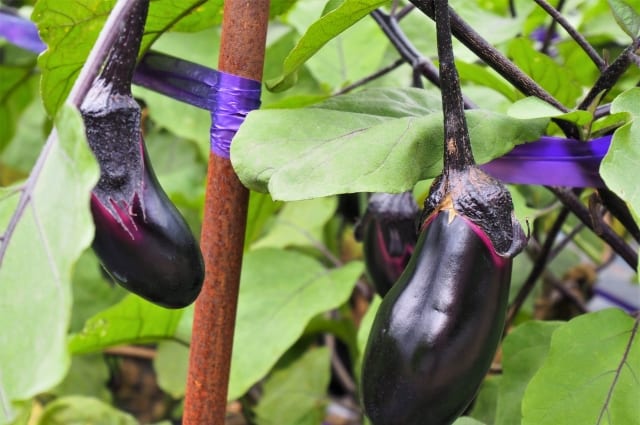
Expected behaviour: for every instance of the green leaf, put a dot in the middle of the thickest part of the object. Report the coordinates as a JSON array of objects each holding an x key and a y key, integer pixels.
[
  {"x": 92, "y": 293},
  {"x": 467, "y": 420},
  {"x": 484, "y": 406},
  {"x": 78, "y": 410},
  {"x": 296, "y": 392},
  {"x": 624, "y": 152},
  {"x": 532, "y": 107},
  {"x": 365, "y": 329},
  {"x": 70, "y": 28},
  {"x": 132, "y": 320},
  {"x": 523, "y": 352},
  {"x": 280, "y": 292},
  {"x": 171, "y": 365},
  {"x": 17, "y": 89},
  {"x": 471, "y": 72},
  {"x": 377, "y": 140},
  {"x": 318, "y": 34},
  {"x": 554, "y": 78},
  {"x": 299, "y": 223},
  {"x": 37, "y": 260},
  {"x": 88, "y": 376},
  {"x": 261, "y": 209},
  {"x": 626, "y": 13},
  {"x": 590, "y": 375}
]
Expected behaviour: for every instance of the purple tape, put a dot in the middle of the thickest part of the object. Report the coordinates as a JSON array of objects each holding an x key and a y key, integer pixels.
[
  {"x": 20, "y": 32},
  {"x": 552, "y": 161},
  {"x": 229, "y": 97}
]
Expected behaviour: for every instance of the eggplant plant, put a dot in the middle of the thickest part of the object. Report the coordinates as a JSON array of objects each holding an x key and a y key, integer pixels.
[
  {"x": 140, "y": 238},
  {"x": 437, "y": 330}
]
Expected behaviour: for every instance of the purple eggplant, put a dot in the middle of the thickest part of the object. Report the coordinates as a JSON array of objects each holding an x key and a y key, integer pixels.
[
  {"x": 437, "y": 330},
  {"x": 141, "y": 239},
  {"x": 388, "y": 232}
]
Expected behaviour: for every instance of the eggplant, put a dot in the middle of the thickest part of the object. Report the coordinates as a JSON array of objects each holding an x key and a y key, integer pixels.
[
  {"x": 438, "y": 328},
  {"x": 388, "y": 232},
  {"x": 436, "y": 331},
  {"x": 140, "y": 237}
]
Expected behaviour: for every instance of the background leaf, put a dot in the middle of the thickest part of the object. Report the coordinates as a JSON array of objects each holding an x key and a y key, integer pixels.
[
  {"x": 17, "y": 89},
  {"x": 590, "y": 375},
  {"x": 54, "y": 229},
  {"x": 523, "y": 352},
  {"x": 318, "y": 34},
  {"x": 627, "y": 15},
  {"x": 78, "y": 410},
  {"x": 131, "y": 320},
  {"x": 70, "y": 29},
  {"x": 296, "y": 392},
  {"x": 280, "y": 292}
]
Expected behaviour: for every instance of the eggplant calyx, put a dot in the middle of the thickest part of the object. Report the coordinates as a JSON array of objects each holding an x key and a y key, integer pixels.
[{"x": 484, "y": 201}]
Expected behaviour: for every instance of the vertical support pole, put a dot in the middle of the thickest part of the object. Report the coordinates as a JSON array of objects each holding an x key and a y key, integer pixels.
[{"x": 242, "y": 48}]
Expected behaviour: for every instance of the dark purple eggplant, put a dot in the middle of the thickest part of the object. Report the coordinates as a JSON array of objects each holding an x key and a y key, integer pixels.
[
  {"x": 437, "y": 330},
  {"x": 141, "y": 239},
  {"x": 388, "y": 232}
]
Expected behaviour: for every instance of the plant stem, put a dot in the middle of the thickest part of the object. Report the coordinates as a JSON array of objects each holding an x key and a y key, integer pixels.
[
  {"x": 603, "y": 230},
  {"x": 611, "y": 75},
  {"x": 379, "y": 73},
  {"x": 496, "y": 60},
  {"x": 242, "y": 47},
  {"x": 389, "y": 25},
  {"x": 119, "y": 67},
  {"x": 457, "y": 148}
]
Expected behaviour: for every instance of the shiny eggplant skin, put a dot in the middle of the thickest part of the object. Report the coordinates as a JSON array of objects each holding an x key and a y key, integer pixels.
[
  {"x": 149, "y": 248},
  {"x": 436, "y": 332}
]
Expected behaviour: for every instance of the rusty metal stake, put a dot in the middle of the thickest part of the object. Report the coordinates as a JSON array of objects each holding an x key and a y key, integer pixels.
[{"x": 242, "y": 48}]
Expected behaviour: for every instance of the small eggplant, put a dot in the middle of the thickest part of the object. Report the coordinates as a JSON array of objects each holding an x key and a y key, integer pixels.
[
  {"x": 141, "y": 239},
  {"x": 388, "y": 232},
  {"x": 436, "y": 332}
]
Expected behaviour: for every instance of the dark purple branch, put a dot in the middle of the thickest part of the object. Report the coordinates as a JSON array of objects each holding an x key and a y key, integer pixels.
[
  {"x": 602, "y": 230},
  {"x": 582, "y": 42},
  {"x": 496, "y": 60},
  {"x": 611, "y": 75},
  {"x": 408, "y": 52},
  {"x": 379, "y": 73},
  {"x": 551, "y": 31}
]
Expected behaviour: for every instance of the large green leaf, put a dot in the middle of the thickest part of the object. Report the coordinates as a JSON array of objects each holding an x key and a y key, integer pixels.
[
  {"x": 171, "y": 365},
  {"x": 296, "y": 392},
  {"x": 378, "y": 140},
  {"x": 70, "y": 28},
  {"x": 280, "y": 292},
  {"x": 36, "y": 262},
  {"x": 318, "y": 34},
  {"x": 624, "y": 152},
  {"x": 132, "y": 320},
  {"x": 590, "y": 375},
  {"x": 523, "y": 352}
]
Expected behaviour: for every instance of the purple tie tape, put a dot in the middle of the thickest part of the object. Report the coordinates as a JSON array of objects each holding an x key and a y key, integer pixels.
[
  {"x": 228, "y": 97},
  {"x": 551, "y": 161}
]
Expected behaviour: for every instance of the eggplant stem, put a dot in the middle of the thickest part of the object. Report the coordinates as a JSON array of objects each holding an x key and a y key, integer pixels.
[
  {"x": 457, "y": 143},
  {"x": 121, "y": 62}
]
